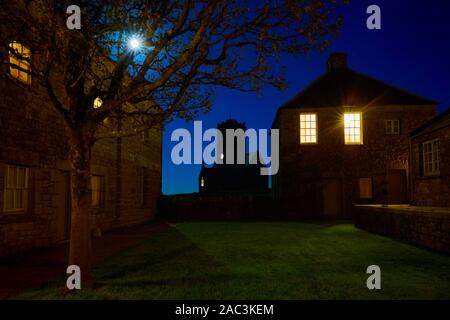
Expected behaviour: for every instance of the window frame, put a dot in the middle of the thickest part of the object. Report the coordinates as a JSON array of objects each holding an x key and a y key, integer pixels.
[
  {"x": 25, "y": 190},
  {"x": 316, "y": 129},
  {"x": 22, "y": 63},
  {"x": 361, "y": 128},
  {"x": 434, "y": 158},
  {"x": 389, "y": 123}
]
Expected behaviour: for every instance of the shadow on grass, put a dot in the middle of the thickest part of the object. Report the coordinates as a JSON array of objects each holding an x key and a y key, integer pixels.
[{"x": 168, "y": 265}]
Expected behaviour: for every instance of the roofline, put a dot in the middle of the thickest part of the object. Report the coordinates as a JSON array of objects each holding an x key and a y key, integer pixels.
[
  {"x": 431, "y": 102},
  {"x": 284, "y": 105},
  {"x": 417, "y": 132}
]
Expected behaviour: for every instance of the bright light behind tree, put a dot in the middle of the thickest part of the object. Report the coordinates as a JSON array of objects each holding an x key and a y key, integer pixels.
[{"x": 135, "y": 43}]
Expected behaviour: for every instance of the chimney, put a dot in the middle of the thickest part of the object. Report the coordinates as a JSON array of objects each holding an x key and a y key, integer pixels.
[{"x": 337, "y": 60}]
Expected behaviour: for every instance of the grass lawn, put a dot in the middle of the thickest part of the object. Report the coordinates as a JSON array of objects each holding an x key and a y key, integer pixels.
[{"x": 264, "y": 261}]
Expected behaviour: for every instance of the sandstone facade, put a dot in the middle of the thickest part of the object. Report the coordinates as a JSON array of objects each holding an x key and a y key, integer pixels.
[
  {"x": 33, "y": 136},
  {"x": 323, "y": 179},
  {"x": 431, "y": 189}
]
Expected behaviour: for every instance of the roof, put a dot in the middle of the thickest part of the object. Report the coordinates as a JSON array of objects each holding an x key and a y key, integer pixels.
[
  {"x": 440, "y": 121},
  {"x": 345, "y": 87}
]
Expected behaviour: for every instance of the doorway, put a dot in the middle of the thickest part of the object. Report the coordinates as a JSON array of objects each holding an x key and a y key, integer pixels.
[
  {"x": 397, "y": 187},
  {"x": 332, "y": 197}
]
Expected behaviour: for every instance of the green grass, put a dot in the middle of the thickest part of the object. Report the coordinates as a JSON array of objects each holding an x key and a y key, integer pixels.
[{"x": 264, "y": 261}]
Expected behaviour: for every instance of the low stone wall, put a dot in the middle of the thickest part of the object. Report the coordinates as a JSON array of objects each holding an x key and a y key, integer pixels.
[
  {"x": 236, "y": 207},
  {"x": 428, "y": 227},
  {"x": 196, "y": 207}
]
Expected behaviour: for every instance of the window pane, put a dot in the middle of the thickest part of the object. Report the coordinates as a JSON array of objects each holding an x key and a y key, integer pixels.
[
  {"x": 19, "y": 199},
  {"x": 352, "y": 128},
  {"x": 8, "y": 199},
  {"x": 24, "y": 52},
  {"x": 15, "y": 192},
  {"x": 430, "y": 150},
  {"x": 308, "y": 128},
  {"x": 21, "y": 177},
  {"x": 95, "y": 198},
  {"x": 12, "y": 177},
  {"x": 98, "y": 189}
]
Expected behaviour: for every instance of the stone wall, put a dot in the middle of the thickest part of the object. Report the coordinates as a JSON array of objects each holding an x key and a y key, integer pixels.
[
  {"x": 424, "y": 226},
  {"x": 431, "y": 190},
  {"x": 197, "y": 207},
  {"x": 33, "y": 135},
  {"x": 304, "y": 169}
]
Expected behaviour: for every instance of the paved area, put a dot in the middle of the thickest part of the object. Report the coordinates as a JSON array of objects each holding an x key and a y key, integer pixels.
[{"x": 31, "y": 269}]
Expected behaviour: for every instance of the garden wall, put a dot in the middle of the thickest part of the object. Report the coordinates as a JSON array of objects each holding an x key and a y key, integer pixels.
[
  {"x": 234, "y": 207},
  {"x": 428, "y": 227}
]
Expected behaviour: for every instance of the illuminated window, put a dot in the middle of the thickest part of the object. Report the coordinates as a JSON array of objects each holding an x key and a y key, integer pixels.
[
  {"x": 352, "y": 128},
  {"x": 16, "y": 189},
  {"x": 392, "y": 127},
  {"x": 98, "y": 103},
  {"x": 202, "y": 182},
  {"x": 98, "y": 191},
  {"x": 430, "y": 150},
  {"x": 365, "y": 188},
  {"x": 308, "y": 128},
  {"x": 20, "y": 57}
]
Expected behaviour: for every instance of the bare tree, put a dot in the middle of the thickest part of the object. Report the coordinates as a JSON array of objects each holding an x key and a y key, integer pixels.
[{"x": 149, "y": 61}]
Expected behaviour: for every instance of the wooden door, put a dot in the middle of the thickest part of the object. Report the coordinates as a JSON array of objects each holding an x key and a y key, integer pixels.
[
  {"x": 397, "y": 187},
  {"x": 332, "y": 197}
]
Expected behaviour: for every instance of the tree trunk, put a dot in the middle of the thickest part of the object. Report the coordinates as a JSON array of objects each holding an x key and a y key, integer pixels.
[{"x": 80, "y": 252}]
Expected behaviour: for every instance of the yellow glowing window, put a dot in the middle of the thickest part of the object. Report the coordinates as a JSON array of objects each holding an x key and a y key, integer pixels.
[
  {"x": 352, "y": 128},
  {"x": 19, "y": 58},
  {"x": 308, "y": 128},
  {"x": 98, "y": 190}
]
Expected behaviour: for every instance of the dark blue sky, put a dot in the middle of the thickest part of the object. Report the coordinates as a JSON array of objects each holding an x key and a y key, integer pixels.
[{"x": 411, "y": 51}]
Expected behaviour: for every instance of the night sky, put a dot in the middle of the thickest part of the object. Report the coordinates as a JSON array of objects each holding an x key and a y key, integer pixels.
[{"x": 411, "y": 51}]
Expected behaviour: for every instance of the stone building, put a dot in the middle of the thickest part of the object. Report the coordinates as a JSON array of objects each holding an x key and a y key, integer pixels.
[
  {"x": 233, "y": 178},
  {"x": 344, "y": 140},
  {"x": 34, "y": 170},
  {"x": 430, "y": 162}
]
